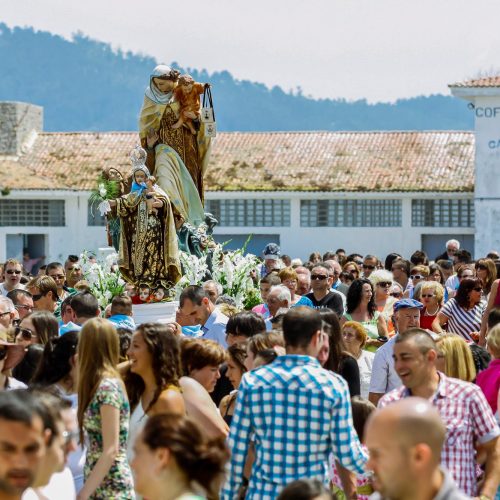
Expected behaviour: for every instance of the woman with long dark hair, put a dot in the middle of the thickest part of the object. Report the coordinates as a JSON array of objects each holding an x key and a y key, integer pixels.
[
  {"x": 361, "y": 307},
  {"x": 152, "y": 377},
  {"x": 464, "y": 312},
  {"x": 173, "y": 459},
  {"x": 486, "y": 271},
  {"x": 37, "y": 328},
  {"x": 335, "y": 357}
]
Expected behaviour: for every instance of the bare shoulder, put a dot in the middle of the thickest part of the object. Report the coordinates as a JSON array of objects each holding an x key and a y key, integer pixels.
[{"x": 169, "y": 401}]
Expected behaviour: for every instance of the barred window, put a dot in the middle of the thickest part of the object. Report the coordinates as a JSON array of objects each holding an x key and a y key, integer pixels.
[
  {"x": 442, "y": 213},
  {"x": 94, "y": 217},
  {"x": 242, "y": 213},
  {"x": 41, "y": 213},
  {"x": 350, "y": 213}
]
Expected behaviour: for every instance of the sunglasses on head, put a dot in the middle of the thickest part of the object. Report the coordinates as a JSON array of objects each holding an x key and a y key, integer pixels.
[
  {"x": 3, "y": 352},
  {"x": 26, "y": 333},
  {"x": 11, "y": 271},
  {"x": 319, "y": 277},
  {"x": 385, "y": 283}
]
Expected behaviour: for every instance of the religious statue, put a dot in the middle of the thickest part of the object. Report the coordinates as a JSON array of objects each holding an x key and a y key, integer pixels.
[
  {"x": 188, "y": 93},
  {"x": 148, "y": 249},
  {"x": 176, "y": 157}
]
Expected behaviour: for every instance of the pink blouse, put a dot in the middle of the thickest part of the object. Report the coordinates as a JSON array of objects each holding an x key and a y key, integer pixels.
[{"x": 489, "y": 381}]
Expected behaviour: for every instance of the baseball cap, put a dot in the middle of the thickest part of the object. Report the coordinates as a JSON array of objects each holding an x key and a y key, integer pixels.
[{"x": 271, "y": 251}]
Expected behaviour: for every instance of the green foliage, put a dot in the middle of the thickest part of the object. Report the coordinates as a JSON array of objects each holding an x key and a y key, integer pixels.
[{"x": 83, "y": 76}]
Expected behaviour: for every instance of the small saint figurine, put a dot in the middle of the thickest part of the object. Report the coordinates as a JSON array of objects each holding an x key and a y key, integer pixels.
[
  {"x": 187, "y": 93},
  {"x": 148, "y": 255}
]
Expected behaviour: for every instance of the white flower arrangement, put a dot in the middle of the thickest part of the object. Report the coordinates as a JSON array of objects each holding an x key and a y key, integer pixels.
[
  {"x": 232, "y": 269},
  {"x": 103, "y": 278}
]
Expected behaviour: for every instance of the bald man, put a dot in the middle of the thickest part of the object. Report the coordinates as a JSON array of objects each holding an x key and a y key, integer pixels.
[{"x": 404, "y": 441}]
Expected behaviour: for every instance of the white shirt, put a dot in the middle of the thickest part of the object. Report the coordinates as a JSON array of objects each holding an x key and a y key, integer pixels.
[
  {"x": 384, "y": 377},
  {"x": 365, "y": 364},
  {"x": 60, "y": 487},
  {"x": 4, "y": 292}
]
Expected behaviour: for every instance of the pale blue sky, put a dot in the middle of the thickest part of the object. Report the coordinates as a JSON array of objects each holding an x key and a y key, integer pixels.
[{"x": 374, "y": 49}]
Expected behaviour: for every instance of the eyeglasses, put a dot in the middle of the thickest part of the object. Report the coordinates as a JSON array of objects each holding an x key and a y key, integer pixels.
[
  {"x": 27, "y": 308},
  {"x": 417, "y": 277},
  {"x": 4, "y": 314},
  {"x": 3, "y": 352},
  {"x": 427, "y": 296},
  {"x": 11, "y": 271},
  {"x": 385, "y": 283},
  {"x": 366, "y": 266},
  {"x": 26, "y": 333},
  {"x": 319, "y": 277}
]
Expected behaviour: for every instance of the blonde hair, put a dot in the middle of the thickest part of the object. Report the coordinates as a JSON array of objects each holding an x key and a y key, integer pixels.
[
  {"x": 459, "y": 362},
  {"x": 361, "y": 334},
  {"x": 436, "y": 287},
  {"x": 421, "y": 269},
  {"x": 493, "y": 340},
  {"x": 98, "y": 355}
]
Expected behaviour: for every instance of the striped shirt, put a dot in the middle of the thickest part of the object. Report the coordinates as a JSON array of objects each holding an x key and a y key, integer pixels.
[
  {"x": 469, "y": 421},
  {"x": 296, "y": 413},
  {"x": 462, "y": 321}
]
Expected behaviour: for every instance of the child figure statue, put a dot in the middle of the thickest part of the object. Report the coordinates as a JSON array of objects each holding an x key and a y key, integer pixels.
[
  {"x": 188, "y": 93},
  {"x": 148, "y": 256}
]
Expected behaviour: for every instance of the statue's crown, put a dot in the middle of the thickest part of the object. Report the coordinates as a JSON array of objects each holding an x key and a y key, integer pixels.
[{"x": 138, "y": 156}]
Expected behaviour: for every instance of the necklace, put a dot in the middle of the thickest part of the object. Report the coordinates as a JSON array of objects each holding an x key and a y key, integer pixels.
[{"x": 433, "y": 314}]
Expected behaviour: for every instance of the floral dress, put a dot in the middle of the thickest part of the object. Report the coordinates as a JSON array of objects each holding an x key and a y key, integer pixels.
[{"x": 118, "y": 482}]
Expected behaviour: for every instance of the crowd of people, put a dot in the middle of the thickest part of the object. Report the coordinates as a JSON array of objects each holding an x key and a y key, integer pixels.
[{"x": 355, "y": 377}]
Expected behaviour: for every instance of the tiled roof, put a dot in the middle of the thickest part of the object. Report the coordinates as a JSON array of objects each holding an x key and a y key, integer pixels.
[
  {"x": 271, "y": 161},
  {"x": 487, "y": 81}
]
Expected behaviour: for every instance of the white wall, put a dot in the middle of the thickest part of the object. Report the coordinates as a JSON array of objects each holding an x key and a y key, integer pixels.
[
  {"x": 74, "y": 237},
  {"x": 300, "y": 241}
]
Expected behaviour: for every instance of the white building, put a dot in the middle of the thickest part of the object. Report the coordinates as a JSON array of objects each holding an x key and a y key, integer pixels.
[{"x": 373, "y": 192}]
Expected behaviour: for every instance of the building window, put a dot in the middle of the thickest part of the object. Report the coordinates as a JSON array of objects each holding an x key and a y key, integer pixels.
[
  {"x": 350, "y": 213},
  {"x": 94, "y": 217},
  {"x": 248, "y": 213},
  {"x": 42, "y": 213},
  {"x": 442, "y": 213}
]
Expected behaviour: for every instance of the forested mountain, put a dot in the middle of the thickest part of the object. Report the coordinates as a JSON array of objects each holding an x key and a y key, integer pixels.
[{"x": 84, "y": 84}]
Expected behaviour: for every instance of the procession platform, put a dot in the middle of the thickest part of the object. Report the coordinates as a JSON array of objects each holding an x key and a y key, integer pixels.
[{"x": 157, "y": 312}]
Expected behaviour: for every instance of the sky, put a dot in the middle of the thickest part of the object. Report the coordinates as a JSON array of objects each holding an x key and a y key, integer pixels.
[{"x": 379, "y": 50}]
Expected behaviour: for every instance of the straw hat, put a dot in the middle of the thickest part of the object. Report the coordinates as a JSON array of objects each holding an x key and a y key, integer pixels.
[{"x": 15, "y": 352}]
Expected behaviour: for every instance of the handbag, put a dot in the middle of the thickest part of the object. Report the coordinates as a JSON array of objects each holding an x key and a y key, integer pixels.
[{"x": 208, "y": 114}]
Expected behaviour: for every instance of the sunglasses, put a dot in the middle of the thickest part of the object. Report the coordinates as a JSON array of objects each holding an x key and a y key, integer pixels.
[
  {"x": 10, "y": 271},
  {"x": 366, "y": 266},
  {"x": 385, "y": 283},
  {"x": 26, "y": 333},
  {"x": 482, "y": 267},
  {"x": 358, "y": 262},
  {"x": 427, "y": 296},
  {"x": 319, "y": 277},
  {"x": 396, "y": 294},
  {"x": 417, "y": 276},
  {"x": 3, "y": 353}
]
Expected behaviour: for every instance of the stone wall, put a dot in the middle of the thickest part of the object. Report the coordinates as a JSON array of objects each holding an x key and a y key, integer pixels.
[{"x": 19, "y": 124}]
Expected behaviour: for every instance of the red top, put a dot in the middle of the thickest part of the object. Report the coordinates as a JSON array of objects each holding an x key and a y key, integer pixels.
[{"x": 426, "y": 321}]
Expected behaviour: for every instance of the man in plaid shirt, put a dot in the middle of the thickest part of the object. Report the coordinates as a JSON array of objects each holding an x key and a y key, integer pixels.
[
  {"x": 470, "y": 424},
  {"x": 295, "y": 412}
]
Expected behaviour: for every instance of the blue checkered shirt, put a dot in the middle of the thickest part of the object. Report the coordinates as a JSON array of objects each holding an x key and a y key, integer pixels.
[{"x": 296, "y": 413}]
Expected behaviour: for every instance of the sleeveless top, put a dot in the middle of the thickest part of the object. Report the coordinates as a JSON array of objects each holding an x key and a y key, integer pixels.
[
  {"x": 370, "y": 325},
  {"x": 497, "y": 298},
  {"x": 229, "y": 418}
]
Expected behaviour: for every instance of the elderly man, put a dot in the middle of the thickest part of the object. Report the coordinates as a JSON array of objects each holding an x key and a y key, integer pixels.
[
  {"x": 12, "y": 273},
  {"x": 384, "y": 377},
  {"x": 23, "y": 301},
  {"x": 404, "y": 441},
  {"x": 278, "y": 300},
  {"x": 195, "y": 305},
  {"x": 304, "y": 280},
  {"x": 213, "y": 290},
  {"x": 472, "y": 430},
  {"x": 452, "y": 247},
  {"x": 7, "y": 312}
]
